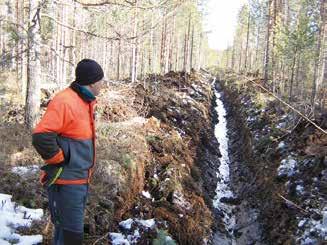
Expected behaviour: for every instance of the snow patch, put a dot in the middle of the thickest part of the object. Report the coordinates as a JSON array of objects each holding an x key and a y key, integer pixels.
[
  {"x": 168, "y": 239},
  {"x": 299, "y": 190},
  {"x": 146, "y": 194},
  {"x": 313, "y": 229},
  {"x": 150, "y": 223},
  {"x": 179, "y": 200},
  {"x": 134, "y": 120},
  {"x": 126, "y": 224},
  {"x": 287, "y": 167},
  {"x": 133, "y": 235},
  {"x": 118, "y": 239},
  {"x": 13, "y": 216},
  {"x": 24, "y": 171},
  {"x": 281, "y": 145}
]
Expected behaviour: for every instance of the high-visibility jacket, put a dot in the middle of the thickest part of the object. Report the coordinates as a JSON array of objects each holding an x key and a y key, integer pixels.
[{"x": 65, "y": 136}]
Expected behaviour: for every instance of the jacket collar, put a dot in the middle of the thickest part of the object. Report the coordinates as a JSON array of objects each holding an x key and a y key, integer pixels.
[{"x": 83, "y": 92}]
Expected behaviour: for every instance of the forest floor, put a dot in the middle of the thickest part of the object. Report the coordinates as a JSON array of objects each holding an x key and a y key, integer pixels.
[{"x": 157, "y": 159}]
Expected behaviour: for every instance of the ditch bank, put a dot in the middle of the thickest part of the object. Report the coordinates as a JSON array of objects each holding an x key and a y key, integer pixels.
[{"x": 284, "y": 165}]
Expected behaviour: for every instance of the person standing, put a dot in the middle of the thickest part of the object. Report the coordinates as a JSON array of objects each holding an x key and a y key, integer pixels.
[{"x": 65, "y": 139}]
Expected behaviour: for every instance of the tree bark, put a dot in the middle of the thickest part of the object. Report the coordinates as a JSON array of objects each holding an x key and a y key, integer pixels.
[
  {"x": 267, "y": 53},
  {"x": 240, "y": 59},
  {"x": 151, "y": 46},
  {"x": 323, "y": 71},
  {"x": 171, "y": 45},
  {"x": 25, "y": 15},
  {"x": 118, "y": 60},
  {"x": 292, "y": 76},
  {"x": 34, "y": 66},
  {"x": 134, "y": 45},
  {"x": 247, "y": 41},
  {"x": 192, "y": 47}
]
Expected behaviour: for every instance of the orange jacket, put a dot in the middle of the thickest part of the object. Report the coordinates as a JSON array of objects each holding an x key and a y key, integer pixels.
[{"x": 65, "y": 136}]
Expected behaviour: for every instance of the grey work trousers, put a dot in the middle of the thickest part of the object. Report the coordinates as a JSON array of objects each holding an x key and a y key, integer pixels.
[{"x": 67, "y": 205}]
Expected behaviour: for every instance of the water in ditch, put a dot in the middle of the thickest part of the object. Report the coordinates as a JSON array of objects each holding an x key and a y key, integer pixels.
[{"x": 223, "y": 189}]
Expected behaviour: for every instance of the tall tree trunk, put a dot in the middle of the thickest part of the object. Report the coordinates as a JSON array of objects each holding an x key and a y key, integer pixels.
[
  {"x": 292, "y": 76},
  {"x": 200, "y": 52},
  {"x": 240, "y": 60},
  {"x": 24, "y": 44},
  {"x": 118, "y": 60},
  {"x": 17, "y": 43},
  {"x": 192, "y": 47},
  {"x": 322, "y": 80},
  {"x": 297, "y": 80},
  {"x": 66, "y": 46},
  {"x": 273, "y": 58},
  {"x": 171, "y": 45},
  {"x": 167, "y": 50},
  {"x": 163, "y": 46},
  {"x": 233, "y": 56},
  {"x": 59, "y": 48},
  {"x": 247, "y": 42},
  {"x": 151, "y": 46},
  {"x": 74, "y": 43},
  {"x": 185, "y": 52},
  {"x": 135, "y": 42},
  {"x": 186, "y": 45},
  {"x": 267, "y": 53},
  {"x": 257, "y": 49},
  {"x": 177, "y": 67},
  {"x": 34, "y": 66}
]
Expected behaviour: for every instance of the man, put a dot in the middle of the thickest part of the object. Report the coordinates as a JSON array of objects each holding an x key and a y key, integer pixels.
[{"x": 65, "y": 138}]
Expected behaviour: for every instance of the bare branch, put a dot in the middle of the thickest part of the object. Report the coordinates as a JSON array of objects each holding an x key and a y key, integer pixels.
[
  {"x": 80, "y": 30},
  {"x": 57, "y": 54},
  {"x": 118, "y": 36},
  {"x": 128, "y": 5}
]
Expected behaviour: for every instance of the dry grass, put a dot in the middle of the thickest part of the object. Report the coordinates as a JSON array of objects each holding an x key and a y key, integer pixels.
[{"x": 16, "y": 147}]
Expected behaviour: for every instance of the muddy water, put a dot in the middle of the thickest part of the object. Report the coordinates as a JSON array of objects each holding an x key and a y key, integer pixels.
[{"x": 238, "y": 218}]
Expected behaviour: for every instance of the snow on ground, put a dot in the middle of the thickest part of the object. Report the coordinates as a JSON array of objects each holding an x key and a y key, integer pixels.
[
  {"x": 146, "y": 194},
  {"x": 313, "y": 229},
  {"x": 134, "y": 121},
  {"x": 13, "y": 216},
  {"x": 150, "y": 223},
  {"x": 134, "y": 235},
  {"x": 281, "y": 145},
  {"x": 126, "y": 224},
  {"x": 118, "y": 238},
  {"x": 179, "y": 200},
  {"x": 287, "y": 167},
  {"x": 24, "y": 171}
]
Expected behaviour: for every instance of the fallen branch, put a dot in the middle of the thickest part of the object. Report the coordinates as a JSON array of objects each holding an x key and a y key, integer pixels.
[
  {"x": 288, "y": 202},
  {"x": 288, "y": 105},
  {"x": 101, "y": 238},
  {"x": 289, "y": 131}
]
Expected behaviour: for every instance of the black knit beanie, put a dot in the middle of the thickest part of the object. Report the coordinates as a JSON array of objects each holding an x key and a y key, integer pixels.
[{"x": 88, "y": 71}]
